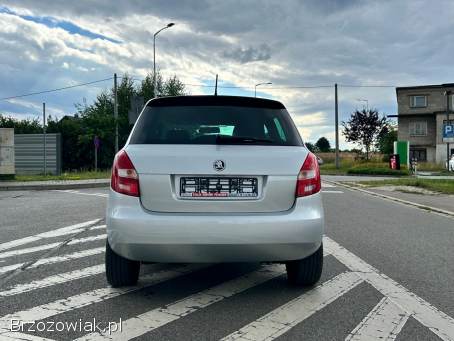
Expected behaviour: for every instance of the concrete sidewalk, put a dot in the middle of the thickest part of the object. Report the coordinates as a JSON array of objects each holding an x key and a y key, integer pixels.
[
  {"x": 442, "y": 203},
  {"x": 52, "y": 184}
]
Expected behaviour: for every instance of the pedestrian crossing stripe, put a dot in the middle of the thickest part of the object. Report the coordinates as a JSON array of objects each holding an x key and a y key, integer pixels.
[
  {"x": 51, "y": 234},
  {"x": 55, "y": 259},
  {"x": 148, "y": 321},
  {"x": 44, "y": 247},
  {"x": 95, "y": 296},
  {"x": 384, "y": 321},
  {"x": 285, "y": 317}
]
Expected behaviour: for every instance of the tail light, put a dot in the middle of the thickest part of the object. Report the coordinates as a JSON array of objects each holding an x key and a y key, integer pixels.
[
  {"x": 124, "y": 176},
  {"x": 308, "y": 181}
]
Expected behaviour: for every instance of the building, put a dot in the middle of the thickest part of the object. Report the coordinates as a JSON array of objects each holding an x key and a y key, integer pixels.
[{"x": 421, "y": 119}]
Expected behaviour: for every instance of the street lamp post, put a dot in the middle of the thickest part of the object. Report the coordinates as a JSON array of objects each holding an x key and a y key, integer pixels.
[
  {"x": 154, "y": 57},
  {"x": 256, "y": 85}
]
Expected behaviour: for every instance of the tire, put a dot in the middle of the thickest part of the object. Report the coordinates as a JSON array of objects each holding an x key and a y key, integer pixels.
[
  {"x": 306, "y": 271},
  {"x": 119, "y": 270}
]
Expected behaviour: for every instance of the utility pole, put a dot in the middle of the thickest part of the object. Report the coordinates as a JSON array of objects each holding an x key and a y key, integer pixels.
[
  {"x": 336, "y": 118},
  {"x": 447, "y": 93},
  {"x": 116, "y": 113},
  {"x": 44, "y": 137}
]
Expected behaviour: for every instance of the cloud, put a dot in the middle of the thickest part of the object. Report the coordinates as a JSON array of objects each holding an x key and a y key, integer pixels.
[
  {"x": 250, "y": 54},
  {"x": 48, "y": 44}
]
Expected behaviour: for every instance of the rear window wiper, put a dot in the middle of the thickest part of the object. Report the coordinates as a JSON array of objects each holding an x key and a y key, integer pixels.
[{"x": 225, "y": 139}]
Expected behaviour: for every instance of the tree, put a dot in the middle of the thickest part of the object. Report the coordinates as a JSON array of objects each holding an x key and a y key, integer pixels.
[
  {"x": 78, "y": 131},
  {"x": 311, "y": 147},
  {"x": 363, "y": 128},
  {"x": 323, "y": 145},
  {"x": 24, "y": 126},
  {"x": 385, "y": 140}
]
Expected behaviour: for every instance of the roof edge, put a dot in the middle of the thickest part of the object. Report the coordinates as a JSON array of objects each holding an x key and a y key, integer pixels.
[{"x": 211, "y": 100}]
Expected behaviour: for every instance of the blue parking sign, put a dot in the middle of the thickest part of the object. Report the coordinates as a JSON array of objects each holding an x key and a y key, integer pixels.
[{"x": 448, "y": 131}]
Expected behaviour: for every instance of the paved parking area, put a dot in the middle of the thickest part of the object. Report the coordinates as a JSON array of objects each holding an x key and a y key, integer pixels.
[{"x": 387, "y": 275}]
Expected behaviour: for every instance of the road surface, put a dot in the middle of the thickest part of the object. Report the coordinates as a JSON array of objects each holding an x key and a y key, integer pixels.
[{"x": 388, "y": 275}]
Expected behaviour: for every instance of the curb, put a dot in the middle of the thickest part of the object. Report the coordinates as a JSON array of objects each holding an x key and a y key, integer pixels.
[
  {"x": 402, "y": 201},
  {"x": 43, "y": 187}
]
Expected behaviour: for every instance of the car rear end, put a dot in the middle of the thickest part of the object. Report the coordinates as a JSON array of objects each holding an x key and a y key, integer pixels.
[{"x": 214, "y": 179}]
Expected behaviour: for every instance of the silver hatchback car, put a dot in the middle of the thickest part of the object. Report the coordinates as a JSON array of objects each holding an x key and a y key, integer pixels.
[{"x": 214, "y": 179}]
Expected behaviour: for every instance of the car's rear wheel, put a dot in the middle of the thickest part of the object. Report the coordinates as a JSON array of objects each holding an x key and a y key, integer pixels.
[
  {"x": 119, "y": 270},
  {"x": 306, "y": 271}
]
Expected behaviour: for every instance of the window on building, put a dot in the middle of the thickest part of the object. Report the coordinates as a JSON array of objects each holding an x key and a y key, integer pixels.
[
  {"x": 418, "y": 101},
  {"x": 419, "y": 154},
  {"x": 418, "y": 128}
]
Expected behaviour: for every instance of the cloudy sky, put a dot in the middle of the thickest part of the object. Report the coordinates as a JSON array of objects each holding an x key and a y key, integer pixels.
[{"x": 291, "y": 43}]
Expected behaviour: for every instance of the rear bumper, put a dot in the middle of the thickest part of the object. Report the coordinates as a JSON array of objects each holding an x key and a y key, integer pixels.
[{"x": 148, "y": 236}]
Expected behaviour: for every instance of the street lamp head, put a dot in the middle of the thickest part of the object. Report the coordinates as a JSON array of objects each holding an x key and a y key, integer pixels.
[
  {"x": 170, "y": 24},
  {"x": 267, "y": 83}
]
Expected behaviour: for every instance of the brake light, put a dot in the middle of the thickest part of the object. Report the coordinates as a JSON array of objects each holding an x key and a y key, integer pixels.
[
  {"x": 308, "y": 181},
  {"x": 124, "y": 176}
]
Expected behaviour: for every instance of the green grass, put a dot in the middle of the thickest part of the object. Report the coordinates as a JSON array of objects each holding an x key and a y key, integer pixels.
[
  {"x": 65, "y": 176},
  {"x": 360, "y": 168},
  {"x": 436, "y": 185}
]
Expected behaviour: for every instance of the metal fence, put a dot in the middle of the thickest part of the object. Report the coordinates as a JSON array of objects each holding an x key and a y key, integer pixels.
[{"x": 29, "y": 154}]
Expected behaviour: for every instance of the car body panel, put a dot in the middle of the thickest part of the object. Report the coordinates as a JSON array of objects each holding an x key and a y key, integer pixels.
[
  {"x": 161, "y": 166},
  {"x": 160, "y": 225},
  {"x": 137, "y": 234}
]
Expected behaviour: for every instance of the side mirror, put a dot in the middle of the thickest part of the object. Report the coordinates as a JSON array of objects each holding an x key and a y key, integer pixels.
[{"x": 319, "y": 160}]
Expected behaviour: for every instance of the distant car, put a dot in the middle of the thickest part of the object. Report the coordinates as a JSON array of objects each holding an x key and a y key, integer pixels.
[{"x": 214, "y": 179}]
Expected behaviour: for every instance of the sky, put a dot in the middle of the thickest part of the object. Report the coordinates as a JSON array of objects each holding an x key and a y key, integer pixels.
[{"x": 297, "y": 45}]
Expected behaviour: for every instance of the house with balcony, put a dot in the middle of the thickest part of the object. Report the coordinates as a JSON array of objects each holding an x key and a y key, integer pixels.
[{"x": 422, "y": 113}]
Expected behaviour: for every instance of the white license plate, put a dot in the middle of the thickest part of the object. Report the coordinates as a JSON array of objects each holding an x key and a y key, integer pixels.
[{"x": 218, "y": 187}]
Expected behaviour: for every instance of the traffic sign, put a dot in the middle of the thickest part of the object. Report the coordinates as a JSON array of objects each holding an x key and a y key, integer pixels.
[
  {"x": 448, "y": 133},
  {"x": 97, "y": 142}
]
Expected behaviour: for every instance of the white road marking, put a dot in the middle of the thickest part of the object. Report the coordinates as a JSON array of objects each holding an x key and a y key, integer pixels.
[
  {"x": 282, "y": 319},
  {"x": 44, "y": 247},
  {"x": 98, "y": 227},
  {"x": 326, "y": 185},
  {"x": 54, "y": 233},
  {"x": 437, "y": 321},
  {"x": 94, "y": 296},
  {"x": 22, "y": 336},
  {"x": 384, "y": 322},
  {"x": 53, "y": 280},
  {"x": 332, "y": 192},
  {"x": 71, "y": 191},
  {"x": 143, "y": 323},
  {"x": 55, "y": 259}
]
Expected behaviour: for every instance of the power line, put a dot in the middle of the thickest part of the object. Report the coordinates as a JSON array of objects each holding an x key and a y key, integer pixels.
[
  {"x": 267, "y": 88},
  {"x": 57, "y": 89},
  {"x": 367, "y": 86},
  {"x": 202, "y": 86}
]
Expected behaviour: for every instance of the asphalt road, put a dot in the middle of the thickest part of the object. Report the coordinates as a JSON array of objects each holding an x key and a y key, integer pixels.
[{"x": 388, "y": 274}]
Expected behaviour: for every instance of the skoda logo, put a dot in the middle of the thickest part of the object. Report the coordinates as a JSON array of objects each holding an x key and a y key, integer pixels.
[{"x": 219, "y": 165}]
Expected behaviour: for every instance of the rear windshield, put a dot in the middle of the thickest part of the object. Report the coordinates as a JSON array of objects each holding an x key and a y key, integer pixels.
[{"x": 215, "y": 125}]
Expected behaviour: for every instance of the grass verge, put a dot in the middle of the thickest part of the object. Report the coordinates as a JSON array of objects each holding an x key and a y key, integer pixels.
[
  {"x": 437, "y": 185},
  {"x": 361, "y": 168}
]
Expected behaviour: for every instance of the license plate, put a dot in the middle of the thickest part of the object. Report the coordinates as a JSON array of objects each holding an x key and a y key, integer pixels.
[{"x": 218, "y": 187}]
